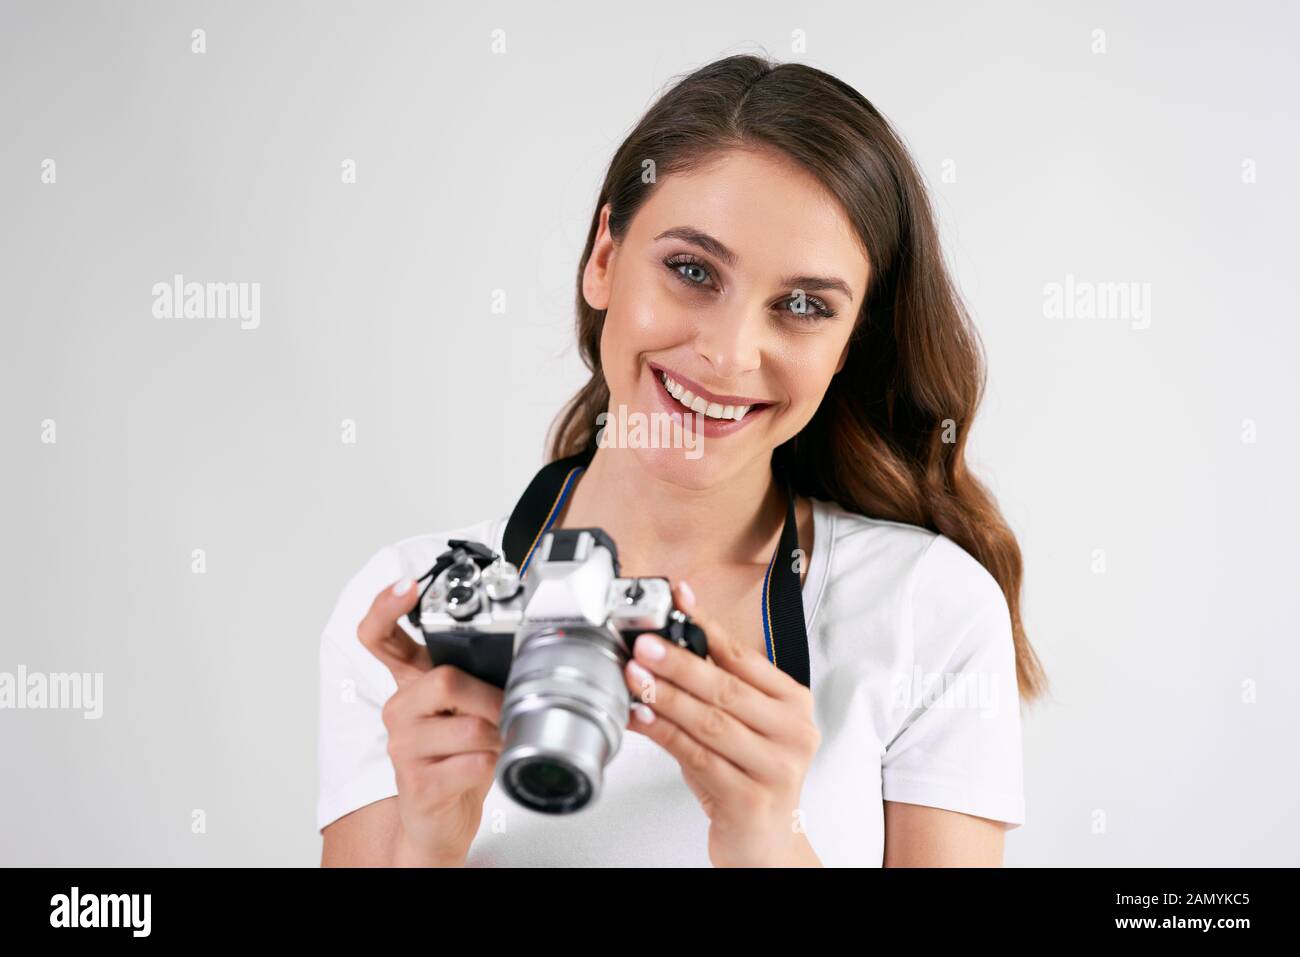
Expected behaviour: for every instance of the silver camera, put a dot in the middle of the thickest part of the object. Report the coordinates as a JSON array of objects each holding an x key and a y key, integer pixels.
[{"x": 556, "y": 640}]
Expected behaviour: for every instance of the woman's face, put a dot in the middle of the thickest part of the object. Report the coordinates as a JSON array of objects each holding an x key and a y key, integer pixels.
[{"x": 741, "y": 282}]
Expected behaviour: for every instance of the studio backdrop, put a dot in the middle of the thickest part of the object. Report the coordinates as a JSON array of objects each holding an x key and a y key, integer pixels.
[{"x": 393, "y": 198}]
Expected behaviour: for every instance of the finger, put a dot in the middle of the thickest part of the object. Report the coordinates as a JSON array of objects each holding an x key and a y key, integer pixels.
[
  {"x": 428, "y": 739},
  {"x": 733, "y": 655},
  {"x": 713, "y": 728},
  {"x": 378, "y": 631},
  {"x": 710, "y": 683},
  {"x": 445, "y": 689},
  {"x": 706, "y": 770}
]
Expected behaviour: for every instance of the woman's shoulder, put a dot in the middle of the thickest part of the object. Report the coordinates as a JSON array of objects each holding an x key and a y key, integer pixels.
[
  {"x": 918, "y": 565},
  {"x": 863, "y": 530},
  {"x": 913, "y": 593}
]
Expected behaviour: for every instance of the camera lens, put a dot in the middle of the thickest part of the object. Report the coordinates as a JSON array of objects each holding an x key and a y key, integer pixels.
[
  {"x": 562, "y": 717},
  {"x": 547, "y": 784}
]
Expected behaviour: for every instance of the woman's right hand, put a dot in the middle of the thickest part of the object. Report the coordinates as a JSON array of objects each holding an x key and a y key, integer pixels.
[{"x": 443, "y": 738}]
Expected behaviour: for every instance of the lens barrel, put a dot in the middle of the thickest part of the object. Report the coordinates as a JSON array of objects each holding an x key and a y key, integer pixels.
[{"x": 562, "y": 718}]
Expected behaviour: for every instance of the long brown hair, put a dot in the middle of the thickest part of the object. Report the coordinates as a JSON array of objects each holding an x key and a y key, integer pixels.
[{"x": 888, "y": 440}]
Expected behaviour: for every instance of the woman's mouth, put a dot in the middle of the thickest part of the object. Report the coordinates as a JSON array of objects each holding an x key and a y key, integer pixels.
[
  {"x": 719, "y": 418},
  {"x": 694, "y": 403}
]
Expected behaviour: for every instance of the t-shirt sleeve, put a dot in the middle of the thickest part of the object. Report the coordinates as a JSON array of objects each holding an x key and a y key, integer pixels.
[
  {"x": 355, "y": 769},
  {"x": 958, "y": 743}
]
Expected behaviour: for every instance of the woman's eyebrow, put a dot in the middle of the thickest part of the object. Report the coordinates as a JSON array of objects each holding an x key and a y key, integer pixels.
[
  {"x": 718, "y": 248},
  {"x": 702, "y": 239},
  {"x": 817, "y": 283}
]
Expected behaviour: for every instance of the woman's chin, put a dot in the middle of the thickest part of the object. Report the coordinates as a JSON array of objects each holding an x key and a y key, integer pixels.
[
  {"x": 695, "y": 469},
  {"x": 676, "y": 446},
  {"x": 678, "y": 468}
]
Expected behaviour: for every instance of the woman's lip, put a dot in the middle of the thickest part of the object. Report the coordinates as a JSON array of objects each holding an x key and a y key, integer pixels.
[
  {"x": 710, "y": 427},
  {"x": 704, "y": 393}
]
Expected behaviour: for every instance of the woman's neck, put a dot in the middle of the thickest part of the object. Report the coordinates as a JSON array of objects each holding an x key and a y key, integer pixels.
[{"x": 664, "y": 529}]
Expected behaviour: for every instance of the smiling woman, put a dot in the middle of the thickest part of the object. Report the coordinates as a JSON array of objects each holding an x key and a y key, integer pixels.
[{"x": 780, "y": 277}]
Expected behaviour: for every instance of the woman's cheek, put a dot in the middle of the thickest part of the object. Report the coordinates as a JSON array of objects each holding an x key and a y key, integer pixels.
[
  {"x": 632, "y": 330},
  {"x": 805, "y": 373},
  {"x": 658, "y": 320}
]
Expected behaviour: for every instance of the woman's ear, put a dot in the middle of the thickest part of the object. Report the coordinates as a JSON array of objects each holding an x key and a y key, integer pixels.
[{"x": 596, "y": 276}]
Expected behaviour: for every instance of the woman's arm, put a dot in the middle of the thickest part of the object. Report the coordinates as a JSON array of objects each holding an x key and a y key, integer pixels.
[
  {"x": 919, "y": 836},
  {"x": 365, "y": 838},
  {"x": 371, "y": 836}
]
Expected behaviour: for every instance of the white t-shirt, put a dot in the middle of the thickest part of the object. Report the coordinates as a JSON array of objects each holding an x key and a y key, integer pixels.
[{"x": 913, "y": 680}]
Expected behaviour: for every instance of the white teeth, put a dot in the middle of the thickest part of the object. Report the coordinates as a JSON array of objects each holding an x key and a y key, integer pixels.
[{"x": 695, "y": 403}]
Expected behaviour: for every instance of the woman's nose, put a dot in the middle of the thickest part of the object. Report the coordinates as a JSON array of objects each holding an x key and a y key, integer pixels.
[{"x": 731, "y": 341}]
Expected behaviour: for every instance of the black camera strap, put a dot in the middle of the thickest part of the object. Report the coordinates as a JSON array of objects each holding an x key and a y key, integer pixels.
[{"x": 784, "y": 633}]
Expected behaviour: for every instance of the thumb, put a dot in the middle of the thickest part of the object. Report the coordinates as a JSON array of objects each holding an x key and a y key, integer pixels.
[
  {"x": 722, "y": 649},
  {"x": 684, "y": 599},
  {"x": 380, "y": 632}
]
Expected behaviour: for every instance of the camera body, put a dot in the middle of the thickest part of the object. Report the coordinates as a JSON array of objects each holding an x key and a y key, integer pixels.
[{"x": 556, "y": 640}]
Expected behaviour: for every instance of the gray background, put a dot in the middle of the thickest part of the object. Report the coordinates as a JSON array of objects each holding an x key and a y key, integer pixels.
[{"x": 478, "y": 172}]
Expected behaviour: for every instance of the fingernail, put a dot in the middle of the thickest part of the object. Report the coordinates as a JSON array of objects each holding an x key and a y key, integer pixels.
[
  {"x": 639, "y": 674},
  {"x": 650, "y": 646},
  {"x": 643, "y": 714},
  {"x": 402, "y": 587},
  {"x": 688, "y": 596}
]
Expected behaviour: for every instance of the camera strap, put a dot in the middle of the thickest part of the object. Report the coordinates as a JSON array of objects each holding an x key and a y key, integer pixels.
[{"x": 784, "y": 634}]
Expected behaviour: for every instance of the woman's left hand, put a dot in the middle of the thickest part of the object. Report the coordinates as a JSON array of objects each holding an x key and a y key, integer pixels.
[{"x": 742, "y": 731}]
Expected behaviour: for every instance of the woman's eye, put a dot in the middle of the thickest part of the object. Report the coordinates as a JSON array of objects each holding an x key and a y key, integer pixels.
[
  {"x": 809, "y": 309},
  {"x": 688, "y": 270},
  {"x": 695, "y": 274}
]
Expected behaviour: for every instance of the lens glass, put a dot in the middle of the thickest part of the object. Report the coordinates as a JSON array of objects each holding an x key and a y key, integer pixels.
[{"x": 547, "y": 784}]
